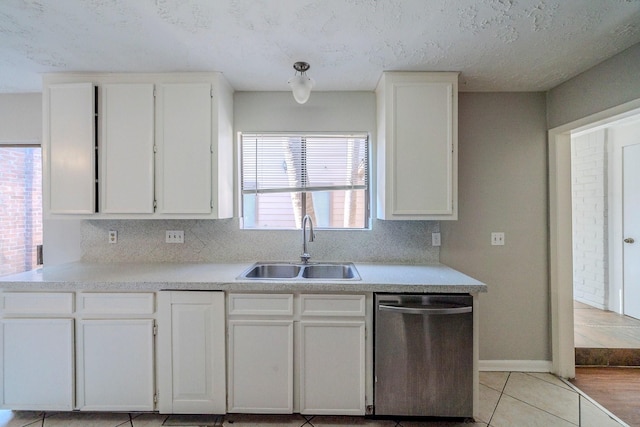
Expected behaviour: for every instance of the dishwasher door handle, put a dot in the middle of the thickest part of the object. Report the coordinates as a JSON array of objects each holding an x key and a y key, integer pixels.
[{"x": 425, "y": 310}]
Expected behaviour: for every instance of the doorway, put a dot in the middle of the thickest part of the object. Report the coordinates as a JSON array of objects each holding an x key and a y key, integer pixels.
[
  {"x": 605, "y": 205},
  {"x": 20, "y": 208},
  {"x": 560, "y": 236}
]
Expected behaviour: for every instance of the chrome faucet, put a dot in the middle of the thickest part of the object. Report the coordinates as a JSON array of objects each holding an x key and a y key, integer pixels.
[{"x": 305, "y": 254}]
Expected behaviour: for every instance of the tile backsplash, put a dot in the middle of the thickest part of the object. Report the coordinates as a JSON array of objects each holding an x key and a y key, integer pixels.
[{"x": 223, "y": 241}]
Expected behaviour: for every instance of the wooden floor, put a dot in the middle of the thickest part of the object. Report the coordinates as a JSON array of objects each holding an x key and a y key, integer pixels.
[
  {"x": 617, "y": 389},
  {"x": 594, "y": 328}
]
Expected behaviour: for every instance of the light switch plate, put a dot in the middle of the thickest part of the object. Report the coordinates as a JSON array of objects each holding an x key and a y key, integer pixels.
[
  {"x": 174, "y": 236},
  {"x": 497, "y": 239}
]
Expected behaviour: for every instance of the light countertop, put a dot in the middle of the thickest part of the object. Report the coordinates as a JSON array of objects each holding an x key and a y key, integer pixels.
[{"x": 130, "y": 277}]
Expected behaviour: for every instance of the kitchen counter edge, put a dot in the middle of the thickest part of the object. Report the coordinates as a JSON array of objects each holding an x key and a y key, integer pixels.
[{"x": 151, "y": 277}]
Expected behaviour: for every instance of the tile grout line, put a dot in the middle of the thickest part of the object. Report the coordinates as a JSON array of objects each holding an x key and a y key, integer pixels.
[{"x": 499, "y": 398}]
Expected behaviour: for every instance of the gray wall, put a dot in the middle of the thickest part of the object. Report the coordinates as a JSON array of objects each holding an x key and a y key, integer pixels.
[
  {"x": 21, "y": 117},
  {"x": 608, "y": 84},
  {"x": 503, "y": 187}
]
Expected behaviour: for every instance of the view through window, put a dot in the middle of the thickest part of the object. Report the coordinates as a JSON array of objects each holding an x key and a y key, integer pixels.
[
  {"x": 20, "y": 208},
  {"x": 285, "y": 176}
]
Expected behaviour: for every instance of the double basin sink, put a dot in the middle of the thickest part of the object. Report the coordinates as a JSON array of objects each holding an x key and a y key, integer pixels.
[{"x": 311, "y": 271}]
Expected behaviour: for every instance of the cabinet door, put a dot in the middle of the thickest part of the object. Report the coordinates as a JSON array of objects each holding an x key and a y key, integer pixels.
[
  {"x": 37, "y": 365},
  {"x": 191, "y": 358},
  {"x": 71, "y": 148},
  {"x": 261, "y": 366},
  {"x": 184, "y": 148},
  {"x": 422, "y": 150},
  {"x": 115, "y": 365},
  {"x": 126, "y": 148},
  {"x": 332, "y": 367}
]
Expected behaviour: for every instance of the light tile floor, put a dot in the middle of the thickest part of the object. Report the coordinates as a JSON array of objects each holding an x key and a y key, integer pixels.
[{"x": 507, "y": 399}]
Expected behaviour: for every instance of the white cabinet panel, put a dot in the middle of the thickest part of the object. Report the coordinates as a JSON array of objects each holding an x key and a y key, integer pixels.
[
  {"x": 261, "y": 366},
  {"x": 423, "y": 148},
  {"x": 37, "y": 303},
  {"x": 37, "y": 365},
  {"x": 184, "y": 141},
  {"x": 332, "y": 367},
  {"x": 191, "y": 358},
  {"x": 115, "y": 303},
  {"x": 126, "y": 148},
  {"x": 115, "y": 365},
  {"x": 417, "y": 146},
  {"x": 70, "y": 148}
]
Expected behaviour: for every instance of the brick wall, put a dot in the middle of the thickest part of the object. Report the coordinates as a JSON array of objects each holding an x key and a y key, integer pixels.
[
  {"x": 20, "y": 208},
  {"x": 590, "y": 230}
]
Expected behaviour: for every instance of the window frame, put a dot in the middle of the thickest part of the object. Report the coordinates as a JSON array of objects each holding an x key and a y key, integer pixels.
[{"x": 367, "y": 220}]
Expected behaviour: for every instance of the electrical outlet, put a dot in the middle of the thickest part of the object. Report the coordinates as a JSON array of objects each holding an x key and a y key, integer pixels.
[
  {"x": 435, "y": 239},
  {"x": 497, "y": 239},
  {"x": 174, "y": 236},
  {"x": 113, "y": 236}
]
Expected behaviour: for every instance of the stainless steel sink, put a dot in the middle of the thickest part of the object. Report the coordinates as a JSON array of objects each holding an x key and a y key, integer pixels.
[
  {"x": 272, "y": 271},
  {"x": 330, "y": 271},
  {"x": 287, "y": 271}
]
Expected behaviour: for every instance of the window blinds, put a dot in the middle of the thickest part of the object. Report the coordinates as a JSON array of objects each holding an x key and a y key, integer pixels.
[{"x": 276, "y": 163}]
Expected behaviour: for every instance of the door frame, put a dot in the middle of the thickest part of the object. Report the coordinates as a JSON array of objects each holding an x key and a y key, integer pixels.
[{"x": 560, "y": 232}]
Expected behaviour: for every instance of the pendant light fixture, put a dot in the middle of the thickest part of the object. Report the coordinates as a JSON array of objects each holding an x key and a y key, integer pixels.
[{"x": 301, "y": 84}]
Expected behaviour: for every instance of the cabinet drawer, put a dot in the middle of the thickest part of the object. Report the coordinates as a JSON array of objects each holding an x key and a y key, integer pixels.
[
  {"x": 116, "y": 303},
  {"x": 37, "y": 303},
  {"x": 332, "y": 305},
  {"x": 260, "y": 304}
]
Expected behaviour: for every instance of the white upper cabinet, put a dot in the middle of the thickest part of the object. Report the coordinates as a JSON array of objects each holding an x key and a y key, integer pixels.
[
  {"x": 184, "y": 148},
  {"x": 126, "y": 148},
  {"x": 70, "y": 153},
  {"x": 417, "y": 145},
  {"x": 165, "y": 145}
]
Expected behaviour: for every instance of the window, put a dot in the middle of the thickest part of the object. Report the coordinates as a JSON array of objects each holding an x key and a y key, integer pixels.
[
  {"x": 285, "y": 176},
  {"x": 20, "y": 208}
]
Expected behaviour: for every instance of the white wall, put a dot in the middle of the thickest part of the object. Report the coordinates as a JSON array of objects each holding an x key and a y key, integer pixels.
[
  {"x": 503, "y": 187},
  {"x": 589, "y": 187}
]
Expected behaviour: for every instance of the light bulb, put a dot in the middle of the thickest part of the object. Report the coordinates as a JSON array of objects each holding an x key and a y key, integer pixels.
[{"x": 301, "y": 86}]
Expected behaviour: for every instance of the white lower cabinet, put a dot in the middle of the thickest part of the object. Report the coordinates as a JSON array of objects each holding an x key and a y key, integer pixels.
[
  {"x": 115, "y": 351},
  {"x": 37, "y": 364},
  {"x": 296, "y": 353},
  {"x": 36, "y": 347},
  {"x": 261, "y": 366},
  {"x": 115, "y": 365},
  {"x": 191, "y": 352},
  {"x": 332, "y": 371}
]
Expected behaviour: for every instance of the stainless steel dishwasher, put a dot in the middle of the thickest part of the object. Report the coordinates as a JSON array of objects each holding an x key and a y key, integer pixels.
[{"x": 423, "y": 356}]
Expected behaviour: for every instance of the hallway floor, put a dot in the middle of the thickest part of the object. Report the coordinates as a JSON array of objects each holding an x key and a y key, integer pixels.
[
  {"x": 595, "y": 328},
  {"x": 507, "y": 399},
  {"x": 604, "y": 338}
]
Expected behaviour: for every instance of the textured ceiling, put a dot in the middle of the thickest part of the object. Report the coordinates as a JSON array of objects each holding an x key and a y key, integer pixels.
[{"x": 498, "y": 45}]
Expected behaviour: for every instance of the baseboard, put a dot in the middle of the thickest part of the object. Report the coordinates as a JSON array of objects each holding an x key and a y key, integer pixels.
[{"x": 515, "y": 365}]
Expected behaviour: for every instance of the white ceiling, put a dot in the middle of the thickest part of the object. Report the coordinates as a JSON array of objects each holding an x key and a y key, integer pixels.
[{"x": 498, "y": 45}]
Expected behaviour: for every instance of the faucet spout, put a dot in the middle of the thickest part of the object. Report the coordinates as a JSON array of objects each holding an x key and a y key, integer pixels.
[{"x": 305, "y": 253}]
